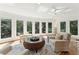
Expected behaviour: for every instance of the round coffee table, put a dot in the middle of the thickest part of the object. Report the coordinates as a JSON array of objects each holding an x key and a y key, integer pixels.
[{"x": 34, "y": 45}]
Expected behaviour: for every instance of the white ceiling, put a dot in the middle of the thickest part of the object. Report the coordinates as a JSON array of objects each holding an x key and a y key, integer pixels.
[{"x": 40, "y": 10}]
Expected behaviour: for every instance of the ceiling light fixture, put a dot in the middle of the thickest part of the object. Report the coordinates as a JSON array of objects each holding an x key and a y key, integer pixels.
[{"x": 59, "y": 10}]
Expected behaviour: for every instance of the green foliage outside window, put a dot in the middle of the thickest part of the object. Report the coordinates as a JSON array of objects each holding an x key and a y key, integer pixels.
[
  {"x": 63, "y": 26},
  {"x": 29, "y": 27},
  {"x": 43, "y": 27},
  {"x": 36, "y": 27},
  {"x": 5, "y": 28},
  {"x": 74, "y": 27},
  {"x": 19, "y": 26},
  {"x": 49, "y": 27}
]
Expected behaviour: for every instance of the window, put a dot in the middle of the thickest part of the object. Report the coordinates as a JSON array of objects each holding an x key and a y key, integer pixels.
[
  {"x": 36, "y": 27},
  {"x": 29, "y": 27},
  {"x": 43, "y": 27},
  {"x": 50, "y": 27},
  {"x": 5, "y": 28},
  {"x": 63, "y": 26},
  {"x": 74, "y": 27},
  {"x": 19, "y": 24}
]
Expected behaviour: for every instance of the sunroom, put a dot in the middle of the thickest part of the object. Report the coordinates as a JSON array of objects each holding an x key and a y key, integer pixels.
[{"x": 39, "y": 29}]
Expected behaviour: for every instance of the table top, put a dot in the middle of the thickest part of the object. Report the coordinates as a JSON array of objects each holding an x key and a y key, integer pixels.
[{"x": 28, "y": 40}]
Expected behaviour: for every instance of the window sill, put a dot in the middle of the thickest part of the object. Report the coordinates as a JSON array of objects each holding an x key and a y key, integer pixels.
[{"x": 7, "y": 40}]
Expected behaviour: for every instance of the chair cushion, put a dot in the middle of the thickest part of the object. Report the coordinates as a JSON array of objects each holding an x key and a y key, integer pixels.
[
  {"x": 63, "y": 36},
  {"x": 61, "y": 45},
  {"x": 59, "y": 36},
  {"x": 66, "y": 36}
]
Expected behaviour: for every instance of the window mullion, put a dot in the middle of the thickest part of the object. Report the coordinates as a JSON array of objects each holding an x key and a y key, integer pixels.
[
  {"x": 40, "y": 27},
  {"x": 33, "y": 28},
  {"x": 13, "y": 28},
  {"x": 0, "y": 28},
  {"x": 24, "y": 27},
  {"x": 46, "y": 27}
]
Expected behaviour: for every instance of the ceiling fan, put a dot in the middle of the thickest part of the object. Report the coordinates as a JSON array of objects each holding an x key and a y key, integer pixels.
[{"x": 57, "y": 10}]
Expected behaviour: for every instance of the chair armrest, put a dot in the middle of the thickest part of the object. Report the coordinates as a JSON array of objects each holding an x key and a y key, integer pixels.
[{"x": 6, "y": 49}]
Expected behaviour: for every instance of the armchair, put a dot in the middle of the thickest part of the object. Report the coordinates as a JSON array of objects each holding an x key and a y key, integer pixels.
[{"x": 62, "y": 42}]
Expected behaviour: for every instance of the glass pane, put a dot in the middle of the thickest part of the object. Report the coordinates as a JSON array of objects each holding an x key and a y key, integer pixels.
[
  {"x": 49, "y": 27},
  {"x": 63, "y": 26},
  {"x": 43, "y": 27},
  {"x": 74, "y": 27},
  {"x": 5, "y": 28},
  {"x": 19, "y": 27},
  {"x": 29, "y": 27},
  {"x": 36, "y": 27}
]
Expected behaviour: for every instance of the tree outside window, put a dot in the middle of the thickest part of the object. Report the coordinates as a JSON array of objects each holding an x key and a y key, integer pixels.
[
  {"x": 19, "y": 26},
  {"x": 49, "y": 27},
  {"x": 29, "y": 27},
  {"x": 5, "y": 28},
  {"x": 63, "y": 26},
  {"x": 74, "y": 27}
]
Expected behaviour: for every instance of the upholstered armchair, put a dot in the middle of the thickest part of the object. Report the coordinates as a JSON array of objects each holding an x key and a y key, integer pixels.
[
  {"x": 61, "y": 45},
  {"x": 62, "y": 42}
]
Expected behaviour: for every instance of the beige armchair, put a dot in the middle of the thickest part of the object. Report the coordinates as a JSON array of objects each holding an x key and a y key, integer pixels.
[
  {"x": 62, "y": 42},
  {"x": 61, "y": 45}
]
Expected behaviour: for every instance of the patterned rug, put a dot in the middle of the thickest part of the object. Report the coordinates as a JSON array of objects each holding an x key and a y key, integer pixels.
[{"x": 48, "y": 49}]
